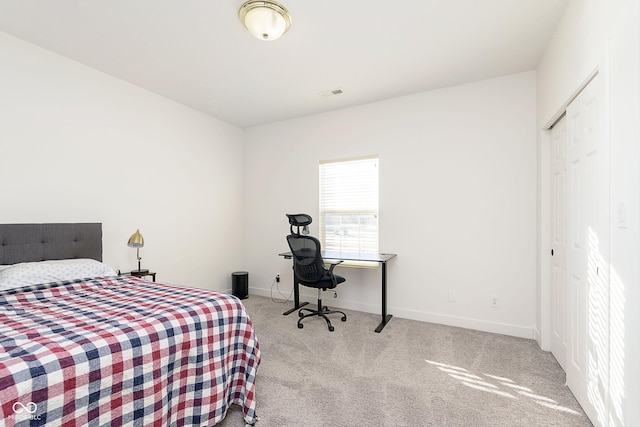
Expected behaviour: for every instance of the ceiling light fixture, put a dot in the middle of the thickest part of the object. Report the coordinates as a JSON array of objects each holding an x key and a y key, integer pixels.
[{"x": 266, "y": 20}]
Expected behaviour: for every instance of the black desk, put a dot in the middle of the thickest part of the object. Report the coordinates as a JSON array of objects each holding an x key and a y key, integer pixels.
[{"x": 347, "y": 256}]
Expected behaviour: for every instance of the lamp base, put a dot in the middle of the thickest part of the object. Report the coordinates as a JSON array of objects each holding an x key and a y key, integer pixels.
[{"x": 139, "y": 271}]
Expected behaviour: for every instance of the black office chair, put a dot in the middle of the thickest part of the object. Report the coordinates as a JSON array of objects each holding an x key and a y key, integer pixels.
[{"x": 309, "y": 267}]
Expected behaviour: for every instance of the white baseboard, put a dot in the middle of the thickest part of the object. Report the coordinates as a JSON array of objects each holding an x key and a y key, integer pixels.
[
  {"x": 442, "y": 319},
  {"x": 467, "y": 323},
  {"x": 537, "y": 337}
]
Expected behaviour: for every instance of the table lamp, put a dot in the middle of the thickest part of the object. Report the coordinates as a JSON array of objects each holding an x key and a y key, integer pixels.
[{"x": 137, "y": 241}]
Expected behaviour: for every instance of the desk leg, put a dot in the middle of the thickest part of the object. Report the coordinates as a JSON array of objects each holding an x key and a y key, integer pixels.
[
  {"x": 296, "y": 297},
  {"x": 385, "y": 317}
]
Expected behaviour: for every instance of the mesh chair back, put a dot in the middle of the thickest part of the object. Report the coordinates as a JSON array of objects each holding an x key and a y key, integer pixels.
[{"x": 307, "y": 258}]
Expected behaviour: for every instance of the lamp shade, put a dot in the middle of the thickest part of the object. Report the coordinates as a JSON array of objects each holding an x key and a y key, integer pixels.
[
  {"x": 265, "y": 20},
  {"x": 136, "y": 240}
]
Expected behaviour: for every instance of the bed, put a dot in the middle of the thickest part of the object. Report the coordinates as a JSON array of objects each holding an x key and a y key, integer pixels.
[{"x": 103, "y": 349}]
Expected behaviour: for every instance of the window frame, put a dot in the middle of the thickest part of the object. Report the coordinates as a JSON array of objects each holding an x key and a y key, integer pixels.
[{"x": 372, "y": 209}]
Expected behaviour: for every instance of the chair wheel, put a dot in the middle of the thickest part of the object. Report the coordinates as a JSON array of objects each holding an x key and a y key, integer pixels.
[
  {"x": 300, "y": 326},
  {"x": 344, "y": 318},
  {"x": 300, "y": 314},
  {"x": 331, "y": 328}
]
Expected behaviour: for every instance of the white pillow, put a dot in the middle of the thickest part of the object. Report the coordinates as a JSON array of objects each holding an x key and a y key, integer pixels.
[{"x": 33, "y": 273}]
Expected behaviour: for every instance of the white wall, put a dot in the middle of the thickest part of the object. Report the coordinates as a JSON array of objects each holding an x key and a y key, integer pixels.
[
  {"x": 79, "y": 145},
  {"x": 457, "y": 200},
  {"x": 605, "y": 36}
]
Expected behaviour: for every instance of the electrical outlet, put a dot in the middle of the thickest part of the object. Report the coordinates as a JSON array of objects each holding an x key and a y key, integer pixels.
[
  {"x": 494, "y": 302},
  {"x": 277, "y": 278}
]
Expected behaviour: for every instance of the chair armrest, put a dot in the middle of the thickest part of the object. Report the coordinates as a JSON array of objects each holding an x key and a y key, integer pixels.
[{"x": 333, "y": 263}]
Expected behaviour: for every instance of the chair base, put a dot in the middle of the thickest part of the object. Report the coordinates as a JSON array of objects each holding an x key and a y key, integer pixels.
[{"x": 322, "y": 311}]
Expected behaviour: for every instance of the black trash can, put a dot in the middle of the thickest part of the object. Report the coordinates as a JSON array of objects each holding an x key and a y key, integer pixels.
[{"x": 240, "y": 284}]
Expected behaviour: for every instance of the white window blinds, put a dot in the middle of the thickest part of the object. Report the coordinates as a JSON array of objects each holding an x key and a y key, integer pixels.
[{"x": 349, "y": 205}]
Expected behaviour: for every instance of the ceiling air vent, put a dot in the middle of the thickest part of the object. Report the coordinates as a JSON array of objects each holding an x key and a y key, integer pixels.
[{"x": 331, "y": 92}]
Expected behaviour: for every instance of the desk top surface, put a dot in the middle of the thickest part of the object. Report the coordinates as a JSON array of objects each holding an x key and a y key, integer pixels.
[{"x": 351, "y": 256}]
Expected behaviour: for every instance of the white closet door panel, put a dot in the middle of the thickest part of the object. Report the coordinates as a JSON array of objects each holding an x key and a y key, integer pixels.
[{"x": 587, "y": 252}]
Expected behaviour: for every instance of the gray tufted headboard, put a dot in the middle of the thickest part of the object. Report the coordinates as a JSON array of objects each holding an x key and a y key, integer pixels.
[{"x": 39, "y": 242}]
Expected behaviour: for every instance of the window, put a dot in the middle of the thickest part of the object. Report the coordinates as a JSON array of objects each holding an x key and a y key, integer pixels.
[{"x": 349, "y": 205}]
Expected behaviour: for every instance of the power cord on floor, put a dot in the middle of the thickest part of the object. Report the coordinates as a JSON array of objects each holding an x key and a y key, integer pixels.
[{"x": 275, "y": 284}]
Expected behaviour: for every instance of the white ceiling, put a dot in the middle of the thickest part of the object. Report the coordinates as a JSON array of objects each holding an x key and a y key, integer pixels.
[{"x": 197, "y": 52}]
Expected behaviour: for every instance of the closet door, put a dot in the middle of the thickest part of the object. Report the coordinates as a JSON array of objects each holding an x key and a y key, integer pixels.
[
  {"x": 559, "y": 241},
  {"x": 587, "y": 251}
]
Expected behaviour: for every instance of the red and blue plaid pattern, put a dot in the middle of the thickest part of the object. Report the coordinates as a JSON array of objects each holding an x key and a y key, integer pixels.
[{"x": 123, "y": 351}]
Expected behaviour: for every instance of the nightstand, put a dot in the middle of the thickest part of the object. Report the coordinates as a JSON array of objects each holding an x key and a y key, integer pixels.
[{"x": 141, "y": 275}]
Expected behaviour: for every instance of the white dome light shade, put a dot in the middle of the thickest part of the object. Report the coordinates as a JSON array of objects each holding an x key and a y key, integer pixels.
[
  {"x": 266, "y": 20},
  {"x": 265, "y": 23}
]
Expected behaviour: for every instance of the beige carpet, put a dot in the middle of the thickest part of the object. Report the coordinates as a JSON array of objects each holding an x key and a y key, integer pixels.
[{"x": 412, "y": 374}]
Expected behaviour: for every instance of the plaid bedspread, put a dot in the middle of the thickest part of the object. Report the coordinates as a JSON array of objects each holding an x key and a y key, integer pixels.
[{"x": 121, "y": 351}]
